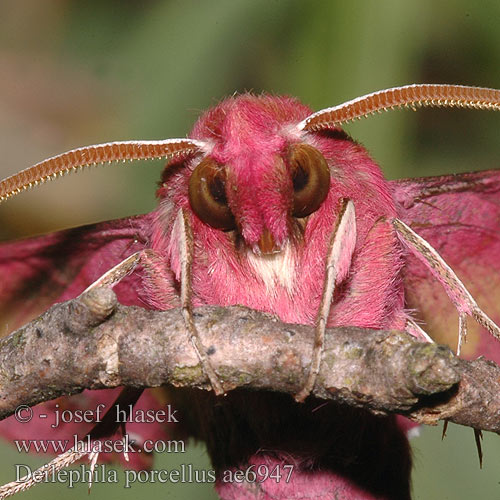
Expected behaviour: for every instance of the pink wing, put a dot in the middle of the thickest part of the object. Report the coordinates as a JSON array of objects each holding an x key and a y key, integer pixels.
[
  {"x": 459, "y": 215},
  {"x": 36, "y": 273},
  {"x": 39, "y": 271}
]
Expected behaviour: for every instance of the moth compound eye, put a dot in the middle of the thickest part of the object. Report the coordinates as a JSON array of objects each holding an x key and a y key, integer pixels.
[
  {"x": 207, "y": 195},
  {"x": 310, "y": 178}
]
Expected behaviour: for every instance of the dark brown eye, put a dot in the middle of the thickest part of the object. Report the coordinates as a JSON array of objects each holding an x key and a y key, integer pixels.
[
  {"x": 207, "y": 195},
  {"x": 310, "y": 177}
]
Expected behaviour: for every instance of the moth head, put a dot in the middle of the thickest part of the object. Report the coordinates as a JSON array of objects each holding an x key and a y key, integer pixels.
[
  {"x": 257, "y": 182},
  {"x": 288, "y": 186}
]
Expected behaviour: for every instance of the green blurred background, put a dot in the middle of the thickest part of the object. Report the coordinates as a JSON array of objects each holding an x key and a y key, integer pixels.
[{"x": 76, "y": 73}]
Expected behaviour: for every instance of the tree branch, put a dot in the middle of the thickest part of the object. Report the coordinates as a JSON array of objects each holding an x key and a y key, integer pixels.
[{"x": 92, "y": 342}]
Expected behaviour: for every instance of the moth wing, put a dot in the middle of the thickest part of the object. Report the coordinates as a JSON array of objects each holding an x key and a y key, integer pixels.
[
  {"x": 459, "y": 215},
  {"x": 37, "y": 272}
]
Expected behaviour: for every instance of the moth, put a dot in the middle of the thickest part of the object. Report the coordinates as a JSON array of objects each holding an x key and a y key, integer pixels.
[{"x": 271, "y": 206}]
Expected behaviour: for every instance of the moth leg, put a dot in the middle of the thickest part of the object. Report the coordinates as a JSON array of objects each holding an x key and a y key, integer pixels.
[
  {"x": 117, "y": 273},
  {"x": 478, "y": 436},
  {"x": 455, "y": 289},
  {"x": 445, "y": 428},
  {"x": 158, "y": 280},
  {"x": 417, "y": 331},
  {"x": 93, "y": 456},
  {"x": 186, "y": 259},
  {"x": 337, "y": 266}
]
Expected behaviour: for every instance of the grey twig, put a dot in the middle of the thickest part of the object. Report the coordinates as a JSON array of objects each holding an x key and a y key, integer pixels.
[{"x": 93, "y": 342}]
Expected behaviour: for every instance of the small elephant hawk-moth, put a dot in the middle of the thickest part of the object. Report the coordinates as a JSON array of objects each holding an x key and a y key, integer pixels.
[{"x": 273, "y": 207}]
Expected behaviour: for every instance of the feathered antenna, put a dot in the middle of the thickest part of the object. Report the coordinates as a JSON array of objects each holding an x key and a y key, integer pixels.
[
  {"x": 413, "y": 96},
  {"x": 97, "y": 154}
]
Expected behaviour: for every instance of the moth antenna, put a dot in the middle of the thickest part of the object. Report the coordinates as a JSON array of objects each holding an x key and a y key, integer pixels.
[
  {"x": 417, "y": 95},
  {"x": 76, "y": 159}
]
